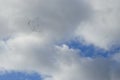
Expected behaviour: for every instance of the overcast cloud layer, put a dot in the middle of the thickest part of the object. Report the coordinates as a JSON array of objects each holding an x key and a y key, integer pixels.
[{"x": 31, "y": 29}]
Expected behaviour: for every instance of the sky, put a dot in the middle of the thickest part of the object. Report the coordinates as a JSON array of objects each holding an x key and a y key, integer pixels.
[{"x": 59, "y": 40}]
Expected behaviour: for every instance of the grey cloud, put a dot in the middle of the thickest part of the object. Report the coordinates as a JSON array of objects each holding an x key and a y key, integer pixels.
[
  {"x": 115, "y": 72},
  {"x": 34, "y": 26},
  {"x": 55, "y": 17}
]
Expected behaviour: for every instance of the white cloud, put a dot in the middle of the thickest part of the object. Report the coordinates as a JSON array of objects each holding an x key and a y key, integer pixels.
[
  {"x": 30, "y": 29},
  {"x": 102, "y": 29},
  {"x": 62, "y": 63}
]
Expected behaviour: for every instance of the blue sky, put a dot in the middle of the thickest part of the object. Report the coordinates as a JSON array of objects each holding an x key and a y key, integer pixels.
[
  {"x": 91, "y": 50},
  {"x": 19, "y": 76},
  {"x": 59, "y": 39}
]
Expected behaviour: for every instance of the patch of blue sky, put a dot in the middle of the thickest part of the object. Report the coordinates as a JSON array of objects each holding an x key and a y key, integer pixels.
[
  {"x": 19, "y": 76},
  {"x": 91, "y": 50}
]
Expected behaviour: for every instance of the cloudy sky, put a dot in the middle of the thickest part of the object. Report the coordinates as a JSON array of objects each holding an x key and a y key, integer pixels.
[{"x": 59, "y": 40}]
